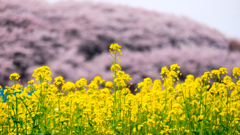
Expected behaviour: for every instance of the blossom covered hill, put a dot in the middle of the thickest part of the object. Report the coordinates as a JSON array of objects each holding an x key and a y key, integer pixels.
[{"x": 73, "y": 39}]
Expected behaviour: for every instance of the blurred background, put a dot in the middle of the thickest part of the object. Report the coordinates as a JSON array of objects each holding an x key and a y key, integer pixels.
[
  {"x": 219, "y": 14},
  {"x": 72, "y": 37}
]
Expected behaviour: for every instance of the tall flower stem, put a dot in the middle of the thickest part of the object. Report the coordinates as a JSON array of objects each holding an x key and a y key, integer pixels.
[
  {"x": 16, "y": 121},
  {"x": 114, "y": 104}
]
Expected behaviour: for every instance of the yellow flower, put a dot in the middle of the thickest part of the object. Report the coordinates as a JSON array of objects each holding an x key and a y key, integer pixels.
[
  {"x": 200, "y": 117},
  {"x": 206, "y": 76},
  {"x": 52, "y": 88},
  {"x": 69, "y": 86},
  {"x": 140, "y": 85},
  {"x": 157, "y": 82},
  {"x": 98, "y": 80},
  {"x": 189, "y": 78},
  {"x": 215, "y": 109},
  {"x": 174, "y": 66},
  {"x": 81, "y": 83},
  {"x": 227, "y": 79},
  {"x": 172, "y": 74},
  {"x": 140, "y": 126},
  {"x": 134, "y": 130},
  {"x": 127, "y": 77},
  {"x": 164, "y": 71},
  {"x": 8, "y": 90},
  {"x": 43, "y": 72},
  {"x": 31, "y": 82},
  {"x": 115, "y": 67},
  {"x": 162, "y": 132},
  {"x": 93, "y": 86},
  {"x": 147, "y": 81},
  {"x": 59, "y": 80},
  {"x": 215, "y": 73},
  {"x": 120, "y": 73},
  {"x": 17, "y": 88},
  {"x": 14, "y": 76},
  {"x": 238, "y": 82},
  {"x": 115, "y": 47},
  {"x": 120, "y": 82},
  {"x": 223, "y": 70},
  {"x": 109, "y": 84},
  {"x": 194, "y": 102},
  {"x": 236, "y": 72},
  {"x": 198, "y": 81}
]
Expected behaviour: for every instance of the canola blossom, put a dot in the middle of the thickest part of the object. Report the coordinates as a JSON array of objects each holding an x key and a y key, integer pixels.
[{"x": 209, "y": 104}]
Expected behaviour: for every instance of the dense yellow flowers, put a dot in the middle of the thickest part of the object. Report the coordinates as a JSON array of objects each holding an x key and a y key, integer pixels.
[{"x": 163, "y": 106}]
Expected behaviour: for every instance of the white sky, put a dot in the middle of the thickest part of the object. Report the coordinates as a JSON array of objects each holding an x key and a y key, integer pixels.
[{"x": 223, "y": 15}]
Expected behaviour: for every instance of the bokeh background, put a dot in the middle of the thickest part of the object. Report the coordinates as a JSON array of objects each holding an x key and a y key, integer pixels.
[
  {"x": 218, "y": 14},
  {"x": 72, "y": 37}
]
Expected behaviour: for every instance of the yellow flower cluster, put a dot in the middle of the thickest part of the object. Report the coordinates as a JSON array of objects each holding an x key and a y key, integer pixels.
[
  {"x": 97, "y": 79},
  {"x": 109, "y": 84},
  {"x": 236, "y": 72},
  {"x": 115, "y": 47},
  {"x": 43, "y": 73},
  {"x": 163, "y": 106},
  {"x": 14, "y": 76},
  {"x": 59, "y": 80},
  {"x": 69, "y": 86},
  {"x": 115, "y": 67}
]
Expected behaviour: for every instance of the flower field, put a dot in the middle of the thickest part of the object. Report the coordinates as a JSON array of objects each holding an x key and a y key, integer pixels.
[{"x": 163, "y": 106}]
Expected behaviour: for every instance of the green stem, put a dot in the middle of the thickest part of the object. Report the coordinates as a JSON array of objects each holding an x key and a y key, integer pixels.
[{"x": 114, "y": 104}]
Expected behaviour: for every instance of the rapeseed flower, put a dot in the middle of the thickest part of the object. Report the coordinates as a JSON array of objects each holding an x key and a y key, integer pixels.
[
  {"x": 173, "y": 67},
  {"x": 43, "y": 73},
  {"x": 31, "y": 82},
  {"x": 206, "y": 76},
  {"x": 109, "y": 84},
  {"x": 223, "y": 70},
  {"x": 14, "y": 76},
  {"x": 140, "y": 85},
  {"x": 93, "y": 86},
  {"x": 164, "y": 71},
  {"x": 59, "y": 80},
  {"x": 69, "y": 86},
  {"x": 17, "y": 88},
  {"x": 215, "y": 73},
  {"x": 115, "y": 47},
  {"x": 98, "y": 80},
  {"x": 236, "y": 72},
  {"x": 115, "y": 67},
  {"x": 189, "y": 79},
  {"x": 160, "y": 107}
]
